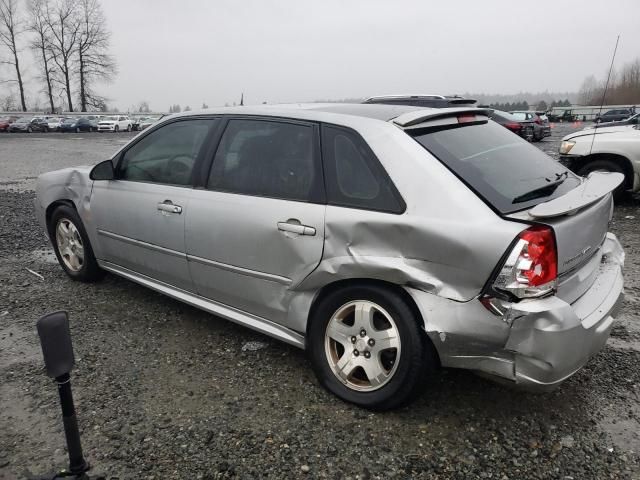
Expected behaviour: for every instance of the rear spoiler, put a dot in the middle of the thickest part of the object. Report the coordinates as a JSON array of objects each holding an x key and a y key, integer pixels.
[
  {"x": 592, "y": 189},
  {"x": 420, "y": 116}
]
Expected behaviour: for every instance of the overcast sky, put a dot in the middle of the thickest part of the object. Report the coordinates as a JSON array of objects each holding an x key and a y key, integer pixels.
[{"x": 193, "y": 51}]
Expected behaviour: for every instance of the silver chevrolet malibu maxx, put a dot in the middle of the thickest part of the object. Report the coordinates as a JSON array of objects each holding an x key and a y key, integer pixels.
[{"x": 386, "y": 240}]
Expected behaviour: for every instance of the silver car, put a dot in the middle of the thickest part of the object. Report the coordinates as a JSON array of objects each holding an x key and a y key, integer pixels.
[{"x": 386, "y": 240}]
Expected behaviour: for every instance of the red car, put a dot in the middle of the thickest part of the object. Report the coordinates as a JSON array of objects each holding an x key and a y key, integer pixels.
[{"x": 5, "y": 122}]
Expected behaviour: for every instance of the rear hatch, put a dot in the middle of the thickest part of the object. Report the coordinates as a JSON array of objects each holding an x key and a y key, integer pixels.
[{"x": 517, "y": 180}]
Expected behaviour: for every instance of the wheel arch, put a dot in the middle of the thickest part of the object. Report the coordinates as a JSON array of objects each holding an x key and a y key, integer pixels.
[
  {"x": 351, "y": 282},
  {"x": 53, "y": 206}
]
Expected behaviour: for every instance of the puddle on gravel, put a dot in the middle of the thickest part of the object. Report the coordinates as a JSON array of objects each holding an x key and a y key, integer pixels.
[
  {"x": 44, "y": 255},
  {"x": 624, "y": 344},
  {"x": 16, "y": 344},
  {"x": 624, "y": 428}
]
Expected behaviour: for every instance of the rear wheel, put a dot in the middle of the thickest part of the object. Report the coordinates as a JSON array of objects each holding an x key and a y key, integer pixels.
[
  {"x": 128, "y": 128},
  {"x": 367, "y": 348},
  {"x": 605, "y": 166},
  {"x": 71, "y": 245},
  {"x": 77, "y": 129}
]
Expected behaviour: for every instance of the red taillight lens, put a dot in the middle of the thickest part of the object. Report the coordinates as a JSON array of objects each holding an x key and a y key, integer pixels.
[
  {"x": 531, "y": 269},
  {"x": 513, "y": 126},
  {"x": 538, "y": 121},
  {"x": 541, "y": 251}
]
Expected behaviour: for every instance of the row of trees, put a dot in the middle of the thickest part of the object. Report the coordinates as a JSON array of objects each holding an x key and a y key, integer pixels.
[
  {"x": 69, "y": 44},
  {"x": 541, "y": 106},
  {"x": 624, "y": 87}
]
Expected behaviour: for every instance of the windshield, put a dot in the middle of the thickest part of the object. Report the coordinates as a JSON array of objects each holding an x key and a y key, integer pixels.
[
  {"x": 519, "y": 115},
  {"x": 503, "y": 169},
  {"x": 110, "y": 119},
  {"x": 70, "y": 120},
  {"x": 23, "y": 120}
]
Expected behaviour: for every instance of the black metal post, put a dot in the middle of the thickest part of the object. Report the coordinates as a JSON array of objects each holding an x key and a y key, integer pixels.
[{"x": 77, "y": 463}]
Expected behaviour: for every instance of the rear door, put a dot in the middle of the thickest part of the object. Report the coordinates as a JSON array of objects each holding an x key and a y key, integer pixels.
[
  {"x": 140, "y": 215},
  {"x": 256, "y": 228}
]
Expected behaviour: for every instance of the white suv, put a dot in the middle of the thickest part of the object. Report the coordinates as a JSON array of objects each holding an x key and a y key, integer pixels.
[
  {"x": 115, "y": 123},
  {"x": 612, "y": 149}
]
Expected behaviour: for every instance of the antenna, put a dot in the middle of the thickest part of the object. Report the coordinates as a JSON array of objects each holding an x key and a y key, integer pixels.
[{"x": 604, "y": 94}]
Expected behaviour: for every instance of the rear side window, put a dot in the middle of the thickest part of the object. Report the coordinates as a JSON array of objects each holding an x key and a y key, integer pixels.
[
  {"x": 505, "y": 170},
  {"x": 266, "y": 158},
  {"x": 353, "y": 176}
]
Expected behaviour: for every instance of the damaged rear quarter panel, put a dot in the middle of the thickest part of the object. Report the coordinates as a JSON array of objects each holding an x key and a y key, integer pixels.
[{"x": 447, "y": 242}]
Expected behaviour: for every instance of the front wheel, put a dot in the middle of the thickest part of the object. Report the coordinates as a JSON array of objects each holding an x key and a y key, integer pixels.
[
  {"x": 367, "y": 348},
  {"x": 605, "y": 166},
  {"x": 116, "y": 128},
  {"x": 30, "y": 130},
  {"x": 128, "y": 128},
  {"x": 77, "y": 129},
  {"x": 71, "y": 245}
]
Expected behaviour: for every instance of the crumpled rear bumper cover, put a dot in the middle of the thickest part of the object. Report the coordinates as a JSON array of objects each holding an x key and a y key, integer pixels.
[{"x": 537, "y": 343}]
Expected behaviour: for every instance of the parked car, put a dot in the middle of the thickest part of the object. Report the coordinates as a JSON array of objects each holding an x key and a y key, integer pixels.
[
  {"x": 54, "y": 123},
  {"x": 610, "y": 149},
  {"x": 386, "y": 240},
  {"x": 431, "y": 101},
  {"x": 523, "y": 128},
  {"x": 115, "y": 123},
  {"x": 78, "y": 124},
  {"x": 6, "y": 121},
  {"x": 135, "y": 123},
  {"x": 541, "y": 127},
  {"x": 614, "y": 115},
  {"x": 147, "y": 122},
  {"x": 40, "y": 124},
  {"x": 631, "y": 121},
  {"x": 23, "y": 124},
  {"x": 566, "y": 116}
]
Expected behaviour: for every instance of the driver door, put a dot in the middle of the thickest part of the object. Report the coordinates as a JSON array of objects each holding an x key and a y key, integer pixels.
[{"x": 140, "y": 216}]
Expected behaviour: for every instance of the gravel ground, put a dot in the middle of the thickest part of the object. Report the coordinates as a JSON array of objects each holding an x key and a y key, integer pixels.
[{"x": 166, "y": 391}]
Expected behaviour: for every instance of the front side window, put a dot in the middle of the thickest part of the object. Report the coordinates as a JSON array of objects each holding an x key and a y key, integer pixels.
[
  {"x": 166, "y": 155},
  {"x": 353, "y": 176},
  {"x": 266, "y": 158}
]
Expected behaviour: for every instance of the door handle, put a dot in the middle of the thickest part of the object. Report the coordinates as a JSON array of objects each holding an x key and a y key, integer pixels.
[
  {"x": 169, "y": 207},
  {"x": 290, "y": 226}
]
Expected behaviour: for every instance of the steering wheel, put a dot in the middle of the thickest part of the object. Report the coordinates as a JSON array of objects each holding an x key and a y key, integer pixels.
[
  {"x": 180, "y": 164},
  {"x": 145, "y": 173}
]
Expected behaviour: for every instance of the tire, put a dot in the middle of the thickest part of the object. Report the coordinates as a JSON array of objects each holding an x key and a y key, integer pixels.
[
  {"x": 30, "y": 130},
  {"x": 116, "y": 129},
  {"x": 605, "y": 166},
  {"x": 77, "y": 129},
  {"x": 73, "y": 240},
  {"x": 401, "y": 377},
  {"x": 128, "y": 128}
]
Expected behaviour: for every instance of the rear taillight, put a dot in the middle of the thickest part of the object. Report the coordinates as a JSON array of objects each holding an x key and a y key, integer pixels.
[
  {"x": 513, "y": 126},
  {"x": 538, "y": 121},
  {"x": 531, "y": 268},
  {"x": 466, "y": 118}
]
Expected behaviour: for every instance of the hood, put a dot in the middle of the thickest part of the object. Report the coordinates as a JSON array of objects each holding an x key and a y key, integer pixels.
[
  {"x": 107, "y": 122},
  {"x": 600, "y": 131}
]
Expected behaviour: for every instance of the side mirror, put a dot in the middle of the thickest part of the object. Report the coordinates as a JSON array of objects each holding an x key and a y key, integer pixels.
[{"x": 103, "y": 171}]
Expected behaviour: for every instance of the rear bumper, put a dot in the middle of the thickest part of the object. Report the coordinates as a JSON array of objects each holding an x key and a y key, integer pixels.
[{"x": 536, "y": 343}]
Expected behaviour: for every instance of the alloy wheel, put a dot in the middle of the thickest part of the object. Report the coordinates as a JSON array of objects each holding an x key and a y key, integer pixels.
[
  {"x": 69, "y": 243},
  {"x": 362, "y": 345}
]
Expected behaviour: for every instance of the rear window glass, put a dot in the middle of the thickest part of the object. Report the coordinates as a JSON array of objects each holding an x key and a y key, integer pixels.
[{"x": 503, "y": 169}]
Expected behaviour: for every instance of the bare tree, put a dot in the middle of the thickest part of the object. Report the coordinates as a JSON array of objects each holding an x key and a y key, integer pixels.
[
  {"x": 64, "y": 26},
  {"x": 94, "y": 62},
  {"x": 40, "y": 45},
  {"x": 11, "y": 27}
]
